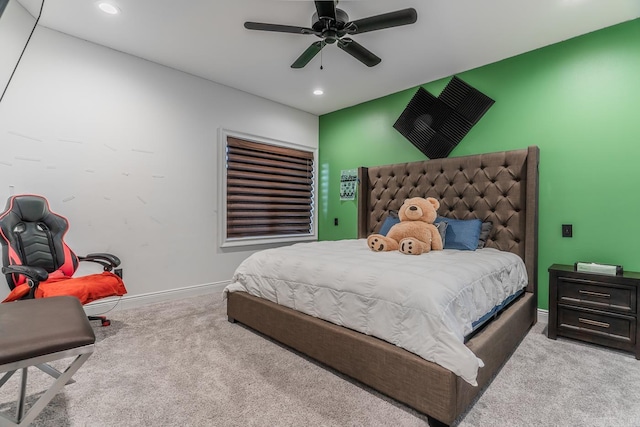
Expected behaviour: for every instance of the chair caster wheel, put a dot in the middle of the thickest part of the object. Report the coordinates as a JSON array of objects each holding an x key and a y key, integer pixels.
[{"x": 103, "y": 320}]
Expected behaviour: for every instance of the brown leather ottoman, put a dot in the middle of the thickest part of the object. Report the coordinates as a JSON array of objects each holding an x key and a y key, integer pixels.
[{"x": 35, "y": 332}]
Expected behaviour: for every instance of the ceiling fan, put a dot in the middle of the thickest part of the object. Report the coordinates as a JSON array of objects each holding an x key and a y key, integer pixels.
[{"x": 332, "y": 25}]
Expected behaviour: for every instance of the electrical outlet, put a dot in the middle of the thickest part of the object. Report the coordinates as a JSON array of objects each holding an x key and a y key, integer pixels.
[{"x": 567, "y": 230}]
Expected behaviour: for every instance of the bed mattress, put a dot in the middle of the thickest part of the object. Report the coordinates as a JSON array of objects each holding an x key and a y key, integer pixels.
[{"x": 425, "y": 304}]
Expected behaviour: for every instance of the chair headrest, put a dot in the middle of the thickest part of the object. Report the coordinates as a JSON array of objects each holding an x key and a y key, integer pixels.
[{"x": 30, "y": 208}]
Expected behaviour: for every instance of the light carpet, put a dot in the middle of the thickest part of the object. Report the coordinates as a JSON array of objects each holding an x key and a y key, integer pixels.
[{"x": 181, "y": 363}]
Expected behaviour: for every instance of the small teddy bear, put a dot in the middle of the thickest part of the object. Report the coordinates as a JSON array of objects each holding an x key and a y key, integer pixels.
[{"x": 415, "y": 233}]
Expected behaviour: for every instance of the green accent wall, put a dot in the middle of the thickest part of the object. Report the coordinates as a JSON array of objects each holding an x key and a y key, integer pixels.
[{"x": 578, "y": 100}]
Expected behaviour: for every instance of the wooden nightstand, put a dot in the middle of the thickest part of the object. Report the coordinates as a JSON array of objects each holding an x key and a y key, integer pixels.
[{"x": 595, "y": 308}]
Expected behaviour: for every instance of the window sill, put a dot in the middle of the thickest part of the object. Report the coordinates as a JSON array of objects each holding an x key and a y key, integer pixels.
[{"x": 252, "y": 241}]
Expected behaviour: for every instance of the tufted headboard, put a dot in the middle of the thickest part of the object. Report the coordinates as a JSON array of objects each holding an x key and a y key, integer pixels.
[{"x": 498, "y": 187}]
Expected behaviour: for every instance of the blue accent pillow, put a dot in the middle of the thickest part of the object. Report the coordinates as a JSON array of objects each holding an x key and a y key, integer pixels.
[
  {"x": 389, "y": 222},
  {"x": 461, "y": 234}
]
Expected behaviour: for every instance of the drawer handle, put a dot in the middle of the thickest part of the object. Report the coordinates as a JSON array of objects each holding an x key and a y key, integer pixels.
[
  {"x": 593, "y": 322},
  {"x": 595, "y": 294}
]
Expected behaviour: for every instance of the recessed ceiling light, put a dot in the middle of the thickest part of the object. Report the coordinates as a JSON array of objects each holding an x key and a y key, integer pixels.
[
  {"x": 108, "y": 8},
  {"x": 318, "y": 92}
]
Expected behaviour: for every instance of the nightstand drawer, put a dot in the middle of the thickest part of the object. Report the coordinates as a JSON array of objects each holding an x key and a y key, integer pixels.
[
  {"x": 593, "y": 294},
  {"x": 597, "y": 327}
]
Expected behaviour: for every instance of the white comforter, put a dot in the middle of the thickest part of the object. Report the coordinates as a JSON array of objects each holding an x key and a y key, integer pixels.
[{"x": 424, "y": 304}]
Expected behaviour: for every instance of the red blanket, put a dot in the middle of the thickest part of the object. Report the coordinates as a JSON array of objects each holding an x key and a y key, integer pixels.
[{"x": 86, "y": 288}]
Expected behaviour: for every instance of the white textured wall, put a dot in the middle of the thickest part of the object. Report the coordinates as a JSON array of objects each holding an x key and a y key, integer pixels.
[{"x": 127, "y": 150}]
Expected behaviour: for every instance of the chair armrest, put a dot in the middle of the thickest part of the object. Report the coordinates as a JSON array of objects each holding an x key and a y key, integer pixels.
[
  {"x": 35, "y": 274},
  {"x": 108, "y": 261}
]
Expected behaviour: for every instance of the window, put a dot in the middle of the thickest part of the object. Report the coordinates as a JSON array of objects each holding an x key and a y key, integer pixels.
[{"x": 268, "y": 191}]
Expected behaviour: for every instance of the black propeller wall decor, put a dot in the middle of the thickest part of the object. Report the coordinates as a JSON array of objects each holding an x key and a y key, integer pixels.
[{"x": 332, "y": 25}]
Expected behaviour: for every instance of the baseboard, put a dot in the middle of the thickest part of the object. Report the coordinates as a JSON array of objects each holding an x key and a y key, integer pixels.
[
  {"x": 133, "y": 301},
  {"x": 543, "y": 316}
]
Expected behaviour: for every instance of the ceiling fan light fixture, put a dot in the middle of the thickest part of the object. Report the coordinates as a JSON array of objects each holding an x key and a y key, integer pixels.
[
  {"x": 108, "y": 8},
  {"x": 318, "y": 92}
]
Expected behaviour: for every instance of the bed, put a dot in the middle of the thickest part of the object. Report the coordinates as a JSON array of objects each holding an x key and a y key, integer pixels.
[{"x": 498, "y": 187}]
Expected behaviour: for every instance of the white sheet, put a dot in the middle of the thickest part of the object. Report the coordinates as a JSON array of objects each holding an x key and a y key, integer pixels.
[{"x": 424, "y": 304}]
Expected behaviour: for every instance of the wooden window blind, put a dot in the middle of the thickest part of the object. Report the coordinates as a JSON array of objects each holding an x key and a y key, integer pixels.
[{"x": 269, "y": 190}]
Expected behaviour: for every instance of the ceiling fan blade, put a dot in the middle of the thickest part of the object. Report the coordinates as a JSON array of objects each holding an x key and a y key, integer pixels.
[
  {"x": 308, "y": 54},
  {"x": 3, "y": 4},
  {"x": 278, "y": 28},
  {"x": 359, "y": 52},
  {"x": 326, "y": 9},
  {"x": 379, "y": 22}
]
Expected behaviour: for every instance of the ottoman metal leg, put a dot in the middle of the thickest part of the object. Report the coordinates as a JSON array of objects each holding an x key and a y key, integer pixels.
[
  {"x": 22, "y": 419},
  {"x": 48, "y": 369}
]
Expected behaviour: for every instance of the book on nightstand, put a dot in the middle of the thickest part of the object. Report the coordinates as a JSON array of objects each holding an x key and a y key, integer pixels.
[{"x": 594, "y": 267}]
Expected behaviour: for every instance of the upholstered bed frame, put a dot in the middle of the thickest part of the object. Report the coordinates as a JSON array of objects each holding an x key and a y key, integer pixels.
[{"x": 498, "y": 187}]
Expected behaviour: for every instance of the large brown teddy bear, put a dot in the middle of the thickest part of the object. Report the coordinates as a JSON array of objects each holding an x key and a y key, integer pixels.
[{"x": 415, "y": 233}]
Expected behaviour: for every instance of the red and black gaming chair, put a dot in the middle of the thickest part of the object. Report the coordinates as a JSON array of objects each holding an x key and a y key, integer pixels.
[{"x": 39, "y": 264}]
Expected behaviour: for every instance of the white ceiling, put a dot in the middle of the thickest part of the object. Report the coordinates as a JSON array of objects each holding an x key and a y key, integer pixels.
[{"x": 206, "y": 38}]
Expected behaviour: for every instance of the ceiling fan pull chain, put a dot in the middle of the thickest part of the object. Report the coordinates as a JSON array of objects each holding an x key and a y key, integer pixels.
[{"x": 321, "y": 61}]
